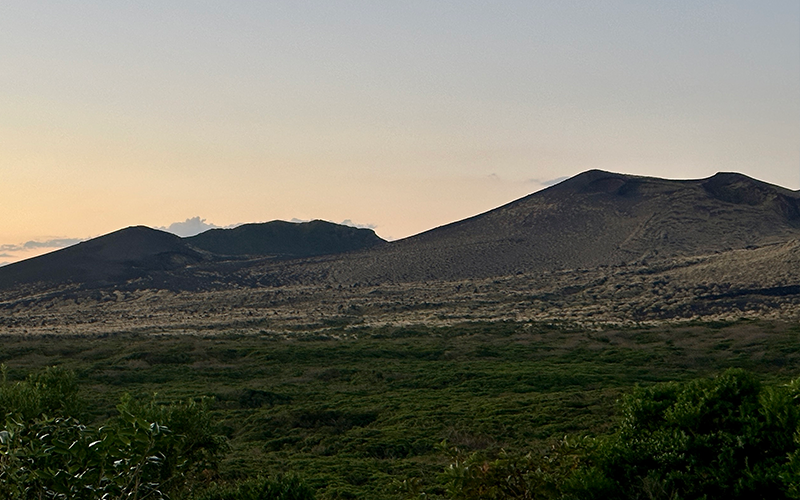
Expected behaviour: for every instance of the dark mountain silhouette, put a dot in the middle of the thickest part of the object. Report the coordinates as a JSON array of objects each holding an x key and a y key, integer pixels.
[
  {"x": 286, "y": 239},
  {"x": 591, "y": 220},
  {"x": 597, "y": 247},
  {"x": 116, "y": 257},
  {"x": 594, "y": 219},
  {"x": 168, "y": 261}
]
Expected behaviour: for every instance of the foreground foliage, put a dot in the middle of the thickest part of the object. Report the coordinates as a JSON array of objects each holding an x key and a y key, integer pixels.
[
  {"x": 729, "y": 437},
  {"x": 147, "y": 451},
  {"x": 359, "y": 412},
  {"x": 278, "y": 488}
]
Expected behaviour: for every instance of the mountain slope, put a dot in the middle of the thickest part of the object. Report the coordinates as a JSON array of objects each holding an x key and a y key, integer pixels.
[
  {"x": 286, "y": 239},
  {"x": 593, "y": 219},
  {"x": 115, "y": 257},
  {"x": 597, "y": 247},
  {"x": 163, "y": 260}
]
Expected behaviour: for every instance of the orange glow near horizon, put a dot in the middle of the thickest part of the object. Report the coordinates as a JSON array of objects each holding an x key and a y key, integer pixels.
[{"x": 402, "y": 116}]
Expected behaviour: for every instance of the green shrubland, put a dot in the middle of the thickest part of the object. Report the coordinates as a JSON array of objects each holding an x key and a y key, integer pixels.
[
  {"x": 524, "y": 410},
  {"x": 727, "y": 437},
  {"x": 144, "y": 451},
  {"x": 278, "y": 488}
]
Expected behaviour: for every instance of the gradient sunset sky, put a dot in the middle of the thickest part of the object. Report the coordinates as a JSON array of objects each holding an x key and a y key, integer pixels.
[{"x": 403, "y": 115}]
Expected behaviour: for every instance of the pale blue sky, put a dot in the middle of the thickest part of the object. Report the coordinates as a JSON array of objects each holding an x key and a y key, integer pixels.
[{"x": 405, "y": 115}]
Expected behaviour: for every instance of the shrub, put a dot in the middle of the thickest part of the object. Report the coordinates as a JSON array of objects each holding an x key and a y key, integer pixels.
[
  {"x": 276, "y": 488},
  {"x": 474, "y": 477},
  {"x": 727, "y": 437},
  {"x": 147, "y": 451},
  {"x": 53, "y": 391}
]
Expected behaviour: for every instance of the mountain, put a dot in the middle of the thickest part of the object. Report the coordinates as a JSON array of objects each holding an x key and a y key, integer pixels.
[
  {"x": 591, "y": 220},
  {"x": 115, "y": 257},
  {"x": 594, "y": 219},
  {"x": 286, "y": 239},
  {"x": 162, "y": 260},
  {"x": 599, "y": 247}
]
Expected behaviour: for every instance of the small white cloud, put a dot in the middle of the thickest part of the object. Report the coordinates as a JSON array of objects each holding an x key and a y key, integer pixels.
[
  {"x": 33, "y": 248},
  {"x": 553, "y": 182},
  {"x": 35, "y": 245},
  {"x": 189, "y": 227},
  {"x": 348, "y": 222},
  {"x": 295, "y": 220},
  {"x": 57, "y": 243}
]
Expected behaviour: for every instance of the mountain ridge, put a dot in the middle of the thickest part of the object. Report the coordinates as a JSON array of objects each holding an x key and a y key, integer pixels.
[
  {"x": 599, "y": 248},
  {"x": 140, "y": 252},
  {"x": 117, "y": 256},
  {"x": 287, "y": 239},
  {"x": 595, "y": 218}
]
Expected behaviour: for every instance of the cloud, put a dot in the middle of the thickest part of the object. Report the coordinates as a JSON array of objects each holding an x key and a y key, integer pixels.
[
  {"x": 189, "y": 227},
  {"x": 57, "y": 243},
  {"x": 35, "y": 245},
  {"x": 6, "y": 256},
  {"x": 348, "y": 222},
  {"x": 197, "y": 225},
  {"x": 553, "y": 182}
]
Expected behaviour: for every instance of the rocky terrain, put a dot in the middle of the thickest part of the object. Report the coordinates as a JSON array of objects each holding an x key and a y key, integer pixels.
[{"x": 596, "y": 249}]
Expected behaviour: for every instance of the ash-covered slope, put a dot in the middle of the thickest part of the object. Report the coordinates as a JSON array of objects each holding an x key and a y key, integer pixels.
[
  {"x": 162, "y": 260},
  {"x": 286, "y": 239},
  {"x": 116, "y": 257},
  {"x": 593, "y": 219}
]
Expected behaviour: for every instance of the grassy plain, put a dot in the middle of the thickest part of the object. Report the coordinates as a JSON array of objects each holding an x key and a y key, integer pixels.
[{"x": 354, "y": 411}]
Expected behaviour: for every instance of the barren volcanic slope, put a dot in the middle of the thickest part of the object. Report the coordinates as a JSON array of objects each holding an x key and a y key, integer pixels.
[
  {"x": 116, "y": 257},
  {"x": 286, "y": 239},
  {"x": 593, "y": 219},
  {"x": 599, "y": 247},
  {"x": 148, "y": 258}
]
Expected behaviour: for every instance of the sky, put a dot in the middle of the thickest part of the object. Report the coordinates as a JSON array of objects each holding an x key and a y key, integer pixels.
[{"x": 400, "y": 116}]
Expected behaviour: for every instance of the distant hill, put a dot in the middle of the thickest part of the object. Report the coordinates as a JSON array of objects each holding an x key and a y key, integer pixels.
[
  {"x": 591, "y": 220},
  {"x": 600, "y": 246},
  {"x": 286, "y": 239},
  {"x": 594, "y": 219},
  {"x": 141, "y": 252},
  {"x": 115, "y": 257}
]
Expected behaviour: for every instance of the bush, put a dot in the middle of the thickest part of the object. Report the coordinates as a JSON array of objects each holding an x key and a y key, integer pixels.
[
  {"x": 191, "y": 454},
  {"x": 147, "y": 451},
  {"x": 728, "y": 437},
  {"x": 277, "y": 488},
  {"x": 53, "y": 391},
  {"x": 474, "y": 477}
]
